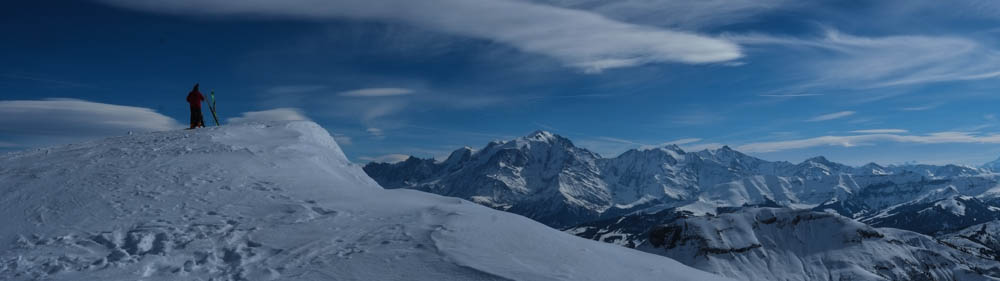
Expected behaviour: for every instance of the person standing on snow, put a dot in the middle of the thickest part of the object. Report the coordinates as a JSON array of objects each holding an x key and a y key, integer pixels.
[{"x": 194, "y": 98}]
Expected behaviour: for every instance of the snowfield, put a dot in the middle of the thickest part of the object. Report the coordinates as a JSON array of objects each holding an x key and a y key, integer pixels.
[{"x": 273, "y": 201}]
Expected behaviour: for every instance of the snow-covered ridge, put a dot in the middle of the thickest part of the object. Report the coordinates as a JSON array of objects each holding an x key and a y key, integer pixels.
[{"x": 272, "y": 201}]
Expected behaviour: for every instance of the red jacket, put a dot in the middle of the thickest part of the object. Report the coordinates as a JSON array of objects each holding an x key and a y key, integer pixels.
[{"x": 195, "y": 98}]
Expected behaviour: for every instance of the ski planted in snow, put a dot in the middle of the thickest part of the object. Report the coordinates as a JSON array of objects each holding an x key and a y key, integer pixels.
[{"x": 211, "y": 107}]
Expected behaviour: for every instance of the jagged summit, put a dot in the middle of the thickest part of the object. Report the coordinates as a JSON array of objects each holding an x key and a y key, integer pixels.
[
  {"x": 541, "y": 135},
  {"x": 266, "y": 201}
]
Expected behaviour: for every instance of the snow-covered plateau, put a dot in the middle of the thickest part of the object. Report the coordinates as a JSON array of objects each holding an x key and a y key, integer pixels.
[{"x": 270, "y": 201}]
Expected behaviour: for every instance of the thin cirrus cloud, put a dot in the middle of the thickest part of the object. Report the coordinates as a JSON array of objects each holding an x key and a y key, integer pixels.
[
  {"x": 579, "y": 39},
  {"x": 831, "y": 116},
  {"x": 376, "y": 92},
  {"x": 789, "y": 95},
  {"x": 880, "y": 131},
  {"x": 872, "y": 62},
  {"x": 921, "y": 108},
  {"x": 683, "y": 14},
  {"x": 869, "y": 139}
]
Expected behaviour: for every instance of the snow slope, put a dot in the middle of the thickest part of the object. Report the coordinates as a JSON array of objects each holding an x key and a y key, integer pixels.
[
  {"x": 784, "y": 244},
  {"x": 981, "y": 240},
  {"x": 937, "y": 217},
  {"x": 274, "y": 201}
]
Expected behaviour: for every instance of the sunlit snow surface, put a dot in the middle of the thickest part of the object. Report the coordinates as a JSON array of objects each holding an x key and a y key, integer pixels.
[{"x": 275, "y": 201}]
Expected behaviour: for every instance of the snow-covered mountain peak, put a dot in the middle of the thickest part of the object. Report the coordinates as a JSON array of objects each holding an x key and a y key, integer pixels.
[
  {"x": 952, "y": 205},
  {"x": 541, "y": 135}
]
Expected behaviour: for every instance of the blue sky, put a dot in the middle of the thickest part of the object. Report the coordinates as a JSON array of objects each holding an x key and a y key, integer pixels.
[{"x": 857, "y": 81}]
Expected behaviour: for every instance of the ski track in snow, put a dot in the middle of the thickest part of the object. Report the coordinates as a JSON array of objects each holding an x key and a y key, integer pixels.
[{"x": 275, "y": 201}]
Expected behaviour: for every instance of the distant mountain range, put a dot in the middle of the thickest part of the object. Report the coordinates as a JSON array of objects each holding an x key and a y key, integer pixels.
[
  {"x": 729, "y": 213},
  {"x": 545, "y": 177}
]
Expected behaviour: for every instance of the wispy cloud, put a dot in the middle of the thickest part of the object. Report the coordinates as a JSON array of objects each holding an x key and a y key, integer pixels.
[
  {"x": 376, "y": 133},
  {"x": 376, "y": 92},
  {"x": 831, "y": 116},
  {"x": 869, "y": 139},
  {"x": 580, "y": 39},
  {"x": 921, "y": 108},
  {"x": 868, "y": 62},
  {"x": 685, "y": 14},
  {"x": 277, "y": 114},
  {"x": 881, "y": 131},
  {"x": 789, "y": 95}
]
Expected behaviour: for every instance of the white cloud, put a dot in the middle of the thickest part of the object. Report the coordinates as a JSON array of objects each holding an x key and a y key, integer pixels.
[
  {"x": 277, "y": 114},
  {"x": 869, "y": 139},
  {"x": 881, "y": 131},
  {"x": 831, "y": 116},
  {"x": 376, "y": 132},
  {"x": 74, "y": 119},
  {"x": 376, "y": 92},
  {"x": 580, "y": 39},
  {"x": 920, "y": 108},
  {"x": 789, "y": 95},
  {"x": 866, "y": 62},
  {"x": 685, "y": 14},
  {"x": 388, "y": 158}
]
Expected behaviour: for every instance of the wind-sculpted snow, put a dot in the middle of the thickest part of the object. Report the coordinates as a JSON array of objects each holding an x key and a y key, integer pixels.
[
  {"x": 273, "y": 201},
  {"x": 784, "y": 244}
]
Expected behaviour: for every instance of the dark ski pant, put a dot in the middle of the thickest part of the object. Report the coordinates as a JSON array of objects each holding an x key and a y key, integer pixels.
[{"x": 196, "y": 118}]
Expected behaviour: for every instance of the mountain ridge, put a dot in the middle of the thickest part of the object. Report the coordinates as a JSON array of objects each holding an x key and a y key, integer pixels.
[{"x": 583, "y": 186}]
